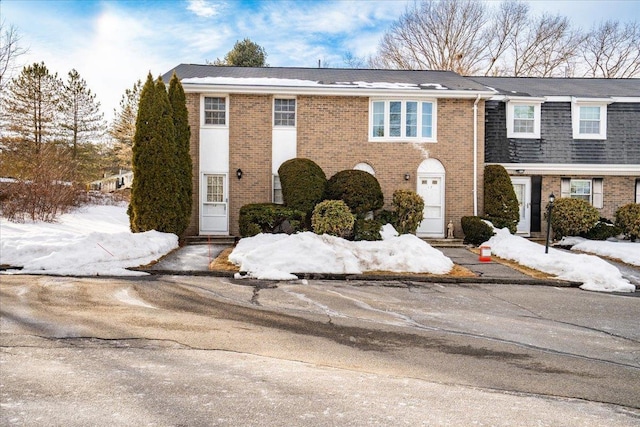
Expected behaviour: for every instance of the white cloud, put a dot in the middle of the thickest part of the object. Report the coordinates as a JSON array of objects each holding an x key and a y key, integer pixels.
[{"x": 203, "y": 8}]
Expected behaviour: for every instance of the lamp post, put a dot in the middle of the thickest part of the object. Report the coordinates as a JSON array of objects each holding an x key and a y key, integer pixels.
[{"x": 552, "y": 199}]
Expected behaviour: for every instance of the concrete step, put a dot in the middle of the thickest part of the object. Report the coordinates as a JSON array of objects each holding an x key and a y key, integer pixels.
[
  {"x": 445, "y": 243},
  {"x": 210, "y": 240}
]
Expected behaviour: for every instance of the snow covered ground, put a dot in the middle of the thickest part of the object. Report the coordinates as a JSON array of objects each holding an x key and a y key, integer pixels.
[
  {"x": 595, "y": 273},
  {"x": 627, "y": 252},
  {"x": 95, "y": 240}
]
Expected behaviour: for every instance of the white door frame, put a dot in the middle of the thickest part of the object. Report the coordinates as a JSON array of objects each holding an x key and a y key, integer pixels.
[
  {"x": 224, "y": 228},
  {"x": 524, "y": 206},
  {"x": 432, "y": 169}
]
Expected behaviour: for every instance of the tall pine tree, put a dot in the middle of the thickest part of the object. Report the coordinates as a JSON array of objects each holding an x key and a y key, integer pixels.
[
  {"x": 153, "y": 203},
  {"x": 183, "y": 166}
]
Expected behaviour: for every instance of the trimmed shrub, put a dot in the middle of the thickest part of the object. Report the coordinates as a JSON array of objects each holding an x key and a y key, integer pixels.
[
  {"x": 367, "y": 229},
  {"x": 476, "y": 231},
  {"x": 572, "y": 217},
  {"x": 500, "y": 201},
  {"x": 628, "y": 219},
  {"x": 409, "y": 208},
  {"x": 386, "y": 217},
  {"x": 303, "y": 184},
  {"x": 266, "y": 217},
  {"x": 332, "y": 217},
  {"x": 358, "y": 189},
  {"x": 603, "y": 230}
]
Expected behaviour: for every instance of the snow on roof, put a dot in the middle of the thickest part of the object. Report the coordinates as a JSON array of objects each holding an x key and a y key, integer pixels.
[{"x": 270, "y": 81}]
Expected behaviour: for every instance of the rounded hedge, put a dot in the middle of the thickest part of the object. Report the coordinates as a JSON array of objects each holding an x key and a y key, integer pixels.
[
  {"x": 476, "y": 231},
  {"x": 628, "y": 219},
  {"x": 409, "y": 211},
  {"x": 572, "y": 217},
  {"x": 303, "y": 184},
  {"x": 332, "y": 217},
  {"x": 358, "y": 189},
  {"x": 259, "y": 218},
  {"x": 500, "y": 201}
]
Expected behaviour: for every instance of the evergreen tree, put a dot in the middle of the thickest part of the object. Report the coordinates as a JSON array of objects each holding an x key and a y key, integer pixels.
[
  {"x": 153, "y": 203},
  {"x": 245, "y": 53},
  {"x": 31, "y": 108},
  {"x": 123, "y": 127},
  {"x": 500, "y": 201},
  {"x": 184, "y": 167}
]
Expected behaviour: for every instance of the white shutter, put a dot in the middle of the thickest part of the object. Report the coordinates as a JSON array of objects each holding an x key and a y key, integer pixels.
[
  {"x": 565, "y": 188},
  {"x": 597, "y": 198},
  {"x": 638, "y": 190}
]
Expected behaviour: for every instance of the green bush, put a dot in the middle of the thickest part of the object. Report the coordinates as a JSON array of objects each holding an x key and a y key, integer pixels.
[
  {"x": 603, "y": 230},
  {"x": 628, "y": 219},
  {"x": 476, "y": 231},
  {"x": 409, "y": 207},
  {"x": 572, "y": 217},
  {"x": 303, "y": 184},
  {"x": 500, "y": 202},
  {"x": 332, "y": 217},
  {"x": 266, "y": 217},
  {"x": 367, "y": 229},
  {"x": 386, "y": 217},
  {"x": 358, "y": 189}
]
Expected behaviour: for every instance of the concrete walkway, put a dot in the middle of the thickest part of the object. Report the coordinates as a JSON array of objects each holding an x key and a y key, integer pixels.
[{"x": 195, "y": 259}]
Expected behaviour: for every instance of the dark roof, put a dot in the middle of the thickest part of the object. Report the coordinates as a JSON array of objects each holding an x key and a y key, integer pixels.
[
  {"x": 578, "y": 87},
  {"x": 328, "y": 76}
]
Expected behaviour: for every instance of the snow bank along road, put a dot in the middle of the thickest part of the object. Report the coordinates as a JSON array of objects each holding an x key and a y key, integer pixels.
[{"x": 205, "y": 351}]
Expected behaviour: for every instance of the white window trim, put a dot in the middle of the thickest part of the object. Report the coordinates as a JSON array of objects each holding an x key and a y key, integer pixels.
[
  {"x": 575, "y": 117},
  {"x": 273, "y": 113},
  {"x": 274, "y": 178},
  {"x": 226, "y": 111},
  {"x": 434, "y": 121},
  {"x": 536, "y": 119},
  {"x": 596, "y": 196}
]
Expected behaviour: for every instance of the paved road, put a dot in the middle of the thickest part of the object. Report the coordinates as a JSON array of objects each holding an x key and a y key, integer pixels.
[{"x": 205, "y": 351}]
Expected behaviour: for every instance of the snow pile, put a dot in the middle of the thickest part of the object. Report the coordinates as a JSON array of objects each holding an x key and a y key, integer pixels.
[
  {"x": 94, "y": 240},
  {"x": 595, "y": 273},
  {"x": 277, "y": 256},
  {"x": 628, "y": 252}
]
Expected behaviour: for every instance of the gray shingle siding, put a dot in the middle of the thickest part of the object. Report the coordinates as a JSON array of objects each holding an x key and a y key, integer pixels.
[{"x": 556, "y": 143}]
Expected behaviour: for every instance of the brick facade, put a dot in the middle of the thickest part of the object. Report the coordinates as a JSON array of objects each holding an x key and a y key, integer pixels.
[{"x": 333, "y": 132}]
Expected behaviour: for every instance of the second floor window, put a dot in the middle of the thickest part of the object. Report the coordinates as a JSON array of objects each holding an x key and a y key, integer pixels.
[
  {"x": 284, "y": 112},
  {"x": 215, "y": 111},
  {"x": 406, "y": 120},
  {"x": 523, "y": 119},
  {"x": 589, "y": 119}
]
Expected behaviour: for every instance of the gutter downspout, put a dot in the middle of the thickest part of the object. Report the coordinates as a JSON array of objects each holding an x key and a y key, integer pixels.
[{"x": 475, "y": 156}]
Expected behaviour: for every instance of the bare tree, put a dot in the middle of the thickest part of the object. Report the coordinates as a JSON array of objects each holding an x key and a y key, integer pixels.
[
  {"x": 510, "y": 19},
  {"x": 10, "y": 50},
  {"x": 123, "y": 127},
  {"x": 439, "y": 35},
  {"x": 612, "y": 50}
]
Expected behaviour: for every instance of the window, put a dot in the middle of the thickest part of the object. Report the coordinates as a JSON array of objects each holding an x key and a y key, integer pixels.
[
  {"x": 523, "y": 119},
  {"x": 277, "y": 190},
  {"x": 589, "y": 120},
  {"x": 215, "y": 111},
  {"x": 585, "y": 189},
  {"x": 284, "y": 112},
  {"x": 410, "y": 120},
  {"x": 215, "y": 190}
]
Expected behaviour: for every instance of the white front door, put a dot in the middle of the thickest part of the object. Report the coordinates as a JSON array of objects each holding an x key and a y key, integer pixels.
[
  {"x": 214, "y": 218},
  {"x": 431, "y": 189},
  {"x": 522, "y": 188}
]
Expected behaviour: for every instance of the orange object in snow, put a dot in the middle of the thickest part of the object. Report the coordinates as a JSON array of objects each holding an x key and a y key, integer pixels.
[{"x": 485, "y": 253}]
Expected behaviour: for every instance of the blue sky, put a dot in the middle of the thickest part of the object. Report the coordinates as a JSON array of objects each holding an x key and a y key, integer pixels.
[{"x": 113, "y": 43}]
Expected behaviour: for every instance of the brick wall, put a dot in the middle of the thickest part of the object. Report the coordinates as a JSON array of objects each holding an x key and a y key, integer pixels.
[
  {"x": 333, "y": 132},
  {"x": 249, "y": 150},
  {"x": 193, "y": 107}
]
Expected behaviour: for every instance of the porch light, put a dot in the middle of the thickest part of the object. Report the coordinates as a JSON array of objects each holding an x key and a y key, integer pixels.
[
  {"x": 239, "y": 173},
  {"x": 407, "y": 176},
  {"x": 552, "y": 199}
]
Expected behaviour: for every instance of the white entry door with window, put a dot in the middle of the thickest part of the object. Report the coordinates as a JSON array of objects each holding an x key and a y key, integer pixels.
[
  {"x": 214, "y": 217},
  {"x": 522, "y": 188},
  {"x": 431, "y": 189}
]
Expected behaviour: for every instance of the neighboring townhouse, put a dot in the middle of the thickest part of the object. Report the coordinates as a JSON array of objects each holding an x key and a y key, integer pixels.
[
  {"x": 419, "y": 130},
  {"x": 573, "y": 137}
]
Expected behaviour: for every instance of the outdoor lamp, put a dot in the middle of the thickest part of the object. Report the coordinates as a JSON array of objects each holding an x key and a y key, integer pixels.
[
  {"x": 552, "y": 199},
  {"x": 407, "y": 176},
  {"x": 239, "y": 173}
]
